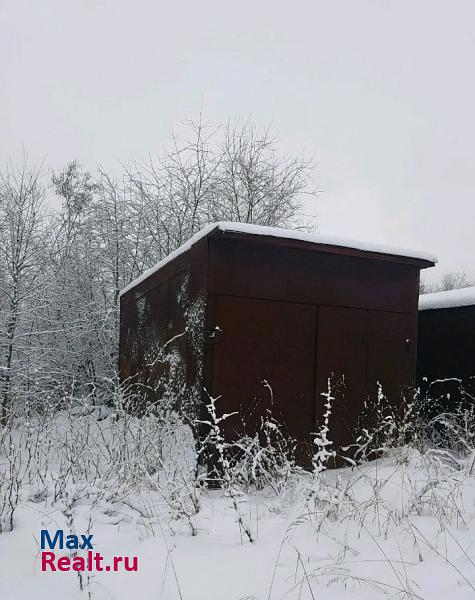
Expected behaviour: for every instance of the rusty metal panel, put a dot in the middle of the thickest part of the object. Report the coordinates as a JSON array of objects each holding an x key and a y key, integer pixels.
[
  {"x": 157, "y": 310},
  {"x": 265, "y": 340},
  {"x": 263, "y": 270},
  {"x": 341, "y": 356},
  {"x": 147, "y": 323},
  {"x": 392, "y": 344}
]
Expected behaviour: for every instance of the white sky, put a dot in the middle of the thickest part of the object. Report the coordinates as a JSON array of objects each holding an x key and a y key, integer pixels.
[{"x": 383, "y": 91}]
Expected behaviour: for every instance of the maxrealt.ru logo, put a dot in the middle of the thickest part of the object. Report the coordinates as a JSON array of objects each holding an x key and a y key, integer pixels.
[{"x": 91, "y": 561}]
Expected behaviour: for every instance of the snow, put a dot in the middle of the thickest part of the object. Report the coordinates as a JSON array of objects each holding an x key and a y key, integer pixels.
[
  {"x": 289, "y": 234},
  {"x": 448, "y": 299},
  {"x": 296, "y": 556},
  {"x": 401, "y": 526}
]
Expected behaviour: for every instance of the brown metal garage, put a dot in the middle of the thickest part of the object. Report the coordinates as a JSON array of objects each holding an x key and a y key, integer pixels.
[{"x": 284, "y": 307}]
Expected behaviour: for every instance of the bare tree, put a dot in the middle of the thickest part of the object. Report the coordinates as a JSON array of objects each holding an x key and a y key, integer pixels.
[
  {"x": 231, "y": 173},
  {"x": 449, "y": 281},
  {"x": 454, "y": 281},
  {"x": 92, "y": 256},
  {"x": 81, "y": 308},
  {"x": 21, "y": 255},
  {"x": 61, "y": 272},
  {"x": 254, "y": 184}
]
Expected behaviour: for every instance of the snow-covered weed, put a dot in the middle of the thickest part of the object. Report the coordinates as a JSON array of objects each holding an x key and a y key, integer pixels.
[
  {"x": 321, "y": 439},
  {"x": 407, "y": 505},
  {"x": 219, "y": 456}
]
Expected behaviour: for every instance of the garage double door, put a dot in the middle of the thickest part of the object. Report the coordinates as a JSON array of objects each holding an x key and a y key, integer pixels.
[
  {"x": 356, "y": 349},
  {"x": 294, "y": 349}
]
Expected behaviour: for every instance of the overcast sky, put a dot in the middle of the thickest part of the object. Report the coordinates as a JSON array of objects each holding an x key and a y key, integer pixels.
[{"x": 382, "y": 91}]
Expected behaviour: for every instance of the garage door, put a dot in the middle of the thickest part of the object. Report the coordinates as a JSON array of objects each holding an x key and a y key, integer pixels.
[
  {"x": 341, "y": 357},
  {"x": 265, "y": 340},
  {"x": 391, "y": 353}
]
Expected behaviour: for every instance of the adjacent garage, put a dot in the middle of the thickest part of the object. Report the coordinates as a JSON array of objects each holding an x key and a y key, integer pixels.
[{"x": 446, "y": 354}]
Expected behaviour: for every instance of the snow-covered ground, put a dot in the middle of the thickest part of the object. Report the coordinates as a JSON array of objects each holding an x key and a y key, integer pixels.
[{"x": 401, "y": 526}]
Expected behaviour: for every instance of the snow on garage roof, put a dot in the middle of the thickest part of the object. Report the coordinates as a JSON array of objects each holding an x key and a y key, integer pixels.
[
  {"x": 290, "y": 234},
  {"x": 449, "y": 299}
]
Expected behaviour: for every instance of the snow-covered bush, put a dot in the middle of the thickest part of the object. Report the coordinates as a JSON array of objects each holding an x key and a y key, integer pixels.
[
  {"x": 445, "y": 416},
  {"x": 422, "y": 421},
  {"x": 265, "y": 460}
]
